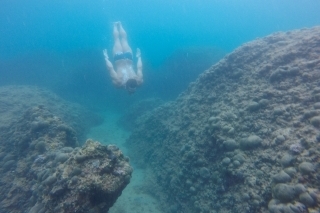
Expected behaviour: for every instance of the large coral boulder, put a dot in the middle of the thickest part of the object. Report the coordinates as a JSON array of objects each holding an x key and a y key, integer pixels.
[
  {"x": 246, "y": 125},
  {"x": 44, "y": 170}
]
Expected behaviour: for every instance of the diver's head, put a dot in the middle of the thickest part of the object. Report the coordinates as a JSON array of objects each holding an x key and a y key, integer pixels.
[{"x": 131, "y": 85}]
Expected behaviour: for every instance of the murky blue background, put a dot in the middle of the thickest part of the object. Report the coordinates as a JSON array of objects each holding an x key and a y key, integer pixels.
[{"x": 58, "y": 44}]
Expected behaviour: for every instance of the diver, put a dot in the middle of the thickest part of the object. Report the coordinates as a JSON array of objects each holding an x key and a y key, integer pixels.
[{"x": 124, "y": 75}]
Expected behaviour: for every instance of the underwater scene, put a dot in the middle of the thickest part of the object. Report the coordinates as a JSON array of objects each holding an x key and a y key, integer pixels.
[{"x": 157, "y": 106}]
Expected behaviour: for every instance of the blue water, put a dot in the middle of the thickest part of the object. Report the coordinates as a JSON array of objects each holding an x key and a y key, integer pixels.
[{"x": 58, "y": 44}]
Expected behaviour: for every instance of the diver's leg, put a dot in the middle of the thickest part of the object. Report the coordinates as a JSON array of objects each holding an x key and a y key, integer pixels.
[
  {"x": 124, "y": 40},
  {"x": 117, "y": 48}
]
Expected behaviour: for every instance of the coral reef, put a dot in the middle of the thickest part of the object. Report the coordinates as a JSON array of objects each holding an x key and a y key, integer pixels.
[
  {"x": 44, "y": 170},
  {"x": 244, "y": 137},
  {"x": 15, "y": 99}
]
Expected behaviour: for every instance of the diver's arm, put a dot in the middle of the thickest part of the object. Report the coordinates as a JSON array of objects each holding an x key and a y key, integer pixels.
[
  {"x": 139, "y": 67},
  {"x": 112, "y": 72}
]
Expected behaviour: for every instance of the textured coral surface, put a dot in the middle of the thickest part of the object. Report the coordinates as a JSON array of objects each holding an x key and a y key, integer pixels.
[
  {"x": 245, "y": 135},
  {"x": 14, "y": 100},
  {"x": 44, "y": 170}
]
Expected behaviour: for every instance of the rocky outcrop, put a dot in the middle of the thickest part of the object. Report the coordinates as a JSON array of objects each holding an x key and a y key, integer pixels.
[
  {"x": 14, "y": 100},
  {"x": 44, "y": 170},
  {"x": 245, "y": 135}
]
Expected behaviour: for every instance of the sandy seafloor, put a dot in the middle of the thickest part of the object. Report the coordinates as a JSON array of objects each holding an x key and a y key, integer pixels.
[{"x": 132, "y": 200}]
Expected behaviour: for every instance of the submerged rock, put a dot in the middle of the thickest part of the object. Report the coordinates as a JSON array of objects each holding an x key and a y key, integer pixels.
[
  {"x": 306, "y": 199},
  {"x": 253, "y": 141},
  {"x": 58, "y": 180},
  {"x": 281, "y": 177},
  {"x": 315, "y": 121},
  {"x": 275, "y": 206},
  {"x": 230, "y": 145},
  {"x": 287, "y": 160},
  {"x": 306, "y": 168},
  {"x": 284, "y": 192},
  {"x": 265, "y": 96},
  {"x": 14, "y": 100}
]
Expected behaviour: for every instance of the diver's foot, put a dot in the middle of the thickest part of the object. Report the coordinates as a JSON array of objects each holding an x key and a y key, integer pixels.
[
  {"x": 119, "y": 24},
  {"x": 116, "y": 24}
]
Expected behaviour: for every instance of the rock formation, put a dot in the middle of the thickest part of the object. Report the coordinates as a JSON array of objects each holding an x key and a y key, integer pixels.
[
  {"x": 14, "y": 100},
  {"x": 43, "y": 169},
  {"x": 244, "y": 137}
]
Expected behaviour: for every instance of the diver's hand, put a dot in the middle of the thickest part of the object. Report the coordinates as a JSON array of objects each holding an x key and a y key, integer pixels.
[
  {"x": 105, "y": 53},
  {"x": 138, "y": 53}
]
